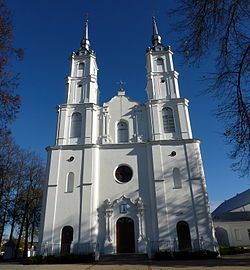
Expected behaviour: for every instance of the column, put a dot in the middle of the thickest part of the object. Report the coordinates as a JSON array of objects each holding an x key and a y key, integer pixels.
[
  {"x": 142, "y": 237},
  {"x": 108, "y": 245}
]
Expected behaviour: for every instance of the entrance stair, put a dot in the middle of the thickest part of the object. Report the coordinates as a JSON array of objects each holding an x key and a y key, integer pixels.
[{"x": 124, "y": 258}]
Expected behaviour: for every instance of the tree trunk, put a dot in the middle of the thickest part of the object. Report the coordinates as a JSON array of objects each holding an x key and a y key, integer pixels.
[
  {"x": 32, "y": 229},
  {"x": 20, "y": 233},
  {"x": 2, "y": 226},
  {"x": 12, "y": 227},
  {"x": 14, "y": 214},
  {"x": 25, "y": 249}
]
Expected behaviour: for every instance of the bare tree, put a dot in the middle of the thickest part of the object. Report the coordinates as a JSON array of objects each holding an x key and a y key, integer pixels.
[
  {"x": 221, "y": 28},
  {"x": 29, "y": 201},
  {"x": 9, "y": 101},
  {"x": 21, "y": 177},
  {"x": 8, "y": 172}
]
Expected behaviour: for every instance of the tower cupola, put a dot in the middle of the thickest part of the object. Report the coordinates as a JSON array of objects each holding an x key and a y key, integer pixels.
[
  {"x": 162, "y": 79},
  {"x": 156, "y": 38},
  {"x": 85, "y": 43},
  {"x": 82, "y": 82}
]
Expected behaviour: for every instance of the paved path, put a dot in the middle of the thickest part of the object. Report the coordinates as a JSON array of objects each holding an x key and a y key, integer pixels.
[{"x": 240, "y": 262}]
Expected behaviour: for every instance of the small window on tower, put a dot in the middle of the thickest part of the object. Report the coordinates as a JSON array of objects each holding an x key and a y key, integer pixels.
[
  {"x": 76, "y": 125},
  {"x": 160, "y": 64},
  {"x": 70, "y": 183},
  {"x": 82, "y": 66},
  {"x": 168, "y": 120},
  {"x": 159, "y": 61},
  {"x": 177, "y": 178}
]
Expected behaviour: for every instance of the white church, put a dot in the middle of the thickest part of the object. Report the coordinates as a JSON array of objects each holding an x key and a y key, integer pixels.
[{"x": 125, "y": 177}]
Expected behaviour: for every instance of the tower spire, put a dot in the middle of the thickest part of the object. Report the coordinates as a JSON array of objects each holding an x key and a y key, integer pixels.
[
  {"x": 156, "y": 38},
  {"x": 85, "y": 44}
]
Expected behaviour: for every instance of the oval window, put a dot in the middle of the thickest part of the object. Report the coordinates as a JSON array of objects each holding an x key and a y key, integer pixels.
[{"x": 123, "y": 173}]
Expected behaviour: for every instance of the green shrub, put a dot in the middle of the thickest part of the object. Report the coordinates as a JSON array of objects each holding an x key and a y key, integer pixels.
[
  {"x": 62, "y": 259},
  {"x": 233, "y": 250},
  {"x": 38, "y": 259},
  {"x": 50, "y": 259},
  {"x": 163, "y": 255},
  {"x": 185, "y": 255}
]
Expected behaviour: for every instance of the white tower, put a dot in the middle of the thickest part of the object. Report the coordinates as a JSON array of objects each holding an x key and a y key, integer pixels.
[
  {"x": 163, "y": 94},
  {"x": 77, "y": 119}
]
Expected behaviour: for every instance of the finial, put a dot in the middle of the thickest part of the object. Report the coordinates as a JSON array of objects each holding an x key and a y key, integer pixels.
[
  {"x": 156, "y": 38},
  {"x": 121, "y": 83},
  {"x": 85, "y": 41}
]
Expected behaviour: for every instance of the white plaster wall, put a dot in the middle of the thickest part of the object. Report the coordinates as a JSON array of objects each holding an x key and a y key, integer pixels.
[
  {"x": 230, "y": 227},
  {"x": 181, "y": 118},
  {"x": 62, "y": 208},
  {"x": 187, "y": 203},
  {"x": 121, "y": 108},
  {"x": 156, "y": 88},
  {"x": 109, "y": 188}
]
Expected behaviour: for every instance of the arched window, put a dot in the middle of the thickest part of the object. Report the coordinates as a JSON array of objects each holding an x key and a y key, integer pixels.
[
  {"x": 177, "y": 178},
  {"x": 82, "y": 65},
  {"x": 168, "y": 120},
  {"x": 79, "y": 92},
  {"x": 70, "y": 182},
  {"x": 76, "y": 125},
  {"x": 66, "y": 239},
  {"x": 122, "y": 132},
  {"x": 160, "y": 64},
  {"x": 222, "y": 236},
  {"x": 81, "y": 69}
]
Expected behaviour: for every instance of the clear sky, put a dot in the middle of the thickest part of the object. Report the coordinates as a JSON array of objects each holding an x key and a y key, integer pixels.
[{"x": 120, "y": 32}]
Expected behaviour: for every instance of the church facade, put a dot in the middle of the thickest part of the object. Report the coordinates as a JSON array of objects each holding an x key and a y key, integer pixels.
[{"x": 125, "y": 177}]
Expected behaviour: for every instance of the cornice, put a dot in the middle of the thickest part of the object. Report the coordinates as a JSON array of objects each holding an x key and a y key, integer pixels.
[{"x": 122, "y": 145}]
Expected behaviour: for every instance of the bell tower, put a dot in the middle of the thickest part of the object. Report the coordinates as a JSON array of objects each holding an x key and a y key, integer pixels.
[
  {"x": 168, "y": 112},
  {"x": 82, "y": 83},
  {"x": 162, "y": 79},
  {"x": 78, "y": 118}
]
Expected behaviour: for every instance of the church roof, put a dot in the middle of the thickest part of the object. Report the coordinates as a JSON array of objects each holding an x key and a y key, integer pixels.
[
  {"x": 120, "y": 94},
  {"x": 233, "y": 209}
]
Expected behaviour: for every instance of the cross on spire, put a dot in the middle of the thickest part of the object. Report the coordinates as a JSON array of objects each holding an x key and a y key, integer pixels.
[{"x": 121, "y": 83}]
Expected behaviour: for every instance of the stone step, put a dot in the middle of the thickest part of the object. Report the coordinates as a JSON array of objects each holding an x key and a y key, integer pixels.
[{"x": 124, "y": 257}]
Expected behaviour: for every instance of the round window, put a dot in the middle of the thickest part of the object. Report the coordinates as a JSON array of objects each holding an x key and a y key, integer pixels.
[{"x": 123, "y": 173}]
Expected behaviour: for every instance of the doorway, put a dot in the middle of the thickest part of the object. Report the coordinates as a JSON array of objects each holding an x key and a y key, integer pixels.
[
  {"x": 67, "y": 238},
  {"x": 125, "y": 235},
  {"x": 183, "y": 234}
]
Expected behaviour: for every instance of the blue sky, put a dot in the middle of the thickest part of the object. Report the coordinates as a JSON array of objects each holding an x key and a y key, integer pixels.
[{"x": 120, "y": 32}]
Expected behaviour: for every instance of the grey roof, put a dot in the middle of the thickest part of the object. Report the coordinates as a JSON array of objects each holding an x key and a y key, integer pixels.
[{"x": 223, "y": 211}]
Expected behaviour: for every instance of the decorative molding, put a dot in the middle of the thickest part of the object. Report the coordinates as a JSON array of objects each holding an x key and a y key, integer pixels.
[{"x": 159, "y": 180}]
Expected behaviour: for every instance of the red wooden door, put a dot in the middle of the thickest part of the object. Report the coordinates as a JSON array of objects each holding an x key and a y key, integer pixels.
[{"x": 125, "y": 235}]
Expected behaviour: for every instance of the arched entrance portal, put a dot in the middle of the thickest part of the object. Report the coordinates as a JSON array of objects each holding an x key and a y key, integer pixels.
[
  {"x": 67, "y": 238},
  {"x": 183, "y": 234},
  {"x": 125, "y": 235}
]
